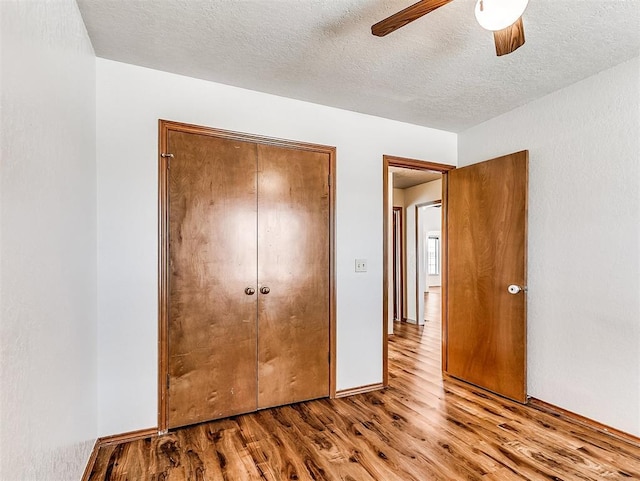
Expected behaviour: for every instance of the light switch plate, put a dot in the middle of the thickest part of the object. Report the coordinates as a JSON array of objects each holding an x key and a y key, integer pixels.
[{"x": 361, "y": 265}]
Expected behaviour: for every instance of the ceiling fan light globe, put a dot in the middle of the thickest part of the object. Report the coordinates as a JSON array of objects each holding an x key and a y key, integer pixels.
[{"x": 496, "y": 15}]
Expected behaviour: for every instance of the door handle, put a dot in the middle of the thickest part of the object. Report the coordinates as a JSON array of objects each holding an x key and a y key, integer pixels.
[
  {"x": 515, "y": 289},
  {"x": 249, "y": 291},
  {"x": 265, "y": 290}
]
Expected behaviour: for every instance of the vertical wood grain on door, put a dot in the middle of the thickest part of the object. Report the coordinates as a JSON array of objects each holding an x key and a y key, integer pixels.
[
  {"x": 212, "y": 259},
  {"x": 398, "y": 277},
  {"x": 293, "y": 263},
  {"x": 487, "y": 231}
]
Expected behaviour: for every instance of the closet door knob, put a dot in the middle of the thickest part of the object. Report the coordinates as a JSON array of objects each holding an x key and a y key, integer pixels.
[
  {"x": 249, "y": 291},
  {"x": 265, "y": 290}
]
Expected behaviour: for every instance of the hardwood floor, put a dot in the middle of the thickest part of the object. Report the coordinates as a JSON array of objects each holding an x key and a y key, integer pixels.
[
  {"x": 421, "y": 428},
  {"x": 432, "y": 305}
]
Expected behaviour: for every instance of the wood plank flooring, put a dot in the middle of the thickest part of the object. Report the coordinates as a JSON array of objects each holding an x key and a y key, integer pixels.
[
  {"x": 432, "y": 306},
  {"x": 420, "y": 428}
]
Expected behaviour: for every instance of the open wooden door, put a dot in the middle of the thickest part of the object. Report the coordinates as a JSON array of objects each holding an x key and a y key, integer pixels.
[{"x": 486, "y": 302}]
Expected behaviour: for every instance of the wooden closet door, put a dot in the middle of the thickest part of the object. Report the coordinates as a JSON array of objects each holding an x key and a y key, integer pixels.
[
  {"x": 212, "y": 260},
  {"x": 293, "y": 264}
]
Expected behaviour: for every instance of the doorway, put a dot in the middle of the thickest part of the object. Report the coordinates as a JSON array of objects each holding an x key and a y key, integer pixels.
[
  {"x": 483, "y": 295},
  {"x": 410, "y": 289},
  {"x": 428, "y": 234}
]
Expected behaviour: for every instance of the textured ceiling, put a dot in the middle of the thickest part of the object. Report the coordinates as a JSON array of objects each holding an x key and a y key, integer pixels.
[
  {"x": 405, "y": 178},
  {"x": 440, "y": 71}
]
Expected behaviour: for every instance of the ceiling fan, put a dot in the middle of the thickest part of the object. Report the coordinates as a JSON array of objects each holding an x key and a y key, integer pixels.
[{"x": 503, "y": 17}]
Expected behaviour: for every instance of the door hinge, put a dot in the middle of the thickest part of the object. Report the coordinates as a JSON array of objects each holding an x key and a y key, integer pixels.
[
  {"x": 168, "y": 381},
  {"x": 168, "y": 157}
]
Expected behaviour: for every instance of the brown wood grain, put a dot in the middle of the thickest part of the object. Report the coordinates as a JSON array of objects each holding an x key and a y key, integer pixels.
[
  {"x": 293, "y": 262},
  {"x": 239, "y": 141},
  {"x": 88, "y": 469},
  {"x": 359, "y": 390},
  {"x": 487, "y": 232},
  {"x": 444, "y": 275},
  {"x": 331, "y": 152},
  {"x": 387, "y": 203},
  {"x": 163, "y": 274},
  {"x": 128, "y": 436},
  {"x": 398, "y": 266},
  {"x": 510, "y": 39},
  {"x": 406, "y": 16},
  {"x": 422, "y": 427},
  {"x": 407, "y": 163},
  {"x": 212, "y": 257}
]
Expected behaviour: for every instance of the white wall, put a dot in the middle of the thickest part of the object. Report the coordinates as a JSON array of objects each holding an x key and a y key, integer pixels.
[
  {"x": 412, "y": 197},
  {"x": 584, "y": 240},
  {"x": 427, "y": 219},
  {"x": 398, "y": 197},
  {"x": 129, "y": 102},
  {"x": 48, "y": 404}
]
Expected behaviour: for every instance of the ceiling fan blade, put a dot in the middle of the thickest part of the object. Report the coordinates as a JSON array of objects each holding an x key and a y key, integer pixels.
[
  {"x": 408, "y": 15},
  {"x": 509, "y": 39}
]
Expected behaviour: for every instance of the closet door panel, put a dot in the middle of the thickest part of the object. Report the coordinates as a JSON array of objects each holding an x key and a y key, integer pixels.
[
  {"x": 212, "y": 361},
  {"x": 293, "y": 263}
]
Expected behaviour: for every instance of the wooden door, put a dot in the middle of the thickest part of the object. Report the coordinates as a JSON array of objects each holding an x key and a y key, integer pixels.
[
  {"x": 212, "y": 260},
  {"x": 487, "y": 233},
  {"x": 293, "y": 264}
]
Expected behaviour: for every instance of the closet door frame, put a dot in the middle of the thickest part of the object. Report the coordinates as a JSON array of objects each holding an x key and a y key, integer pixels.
[{"x": 164, "y": 158}]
